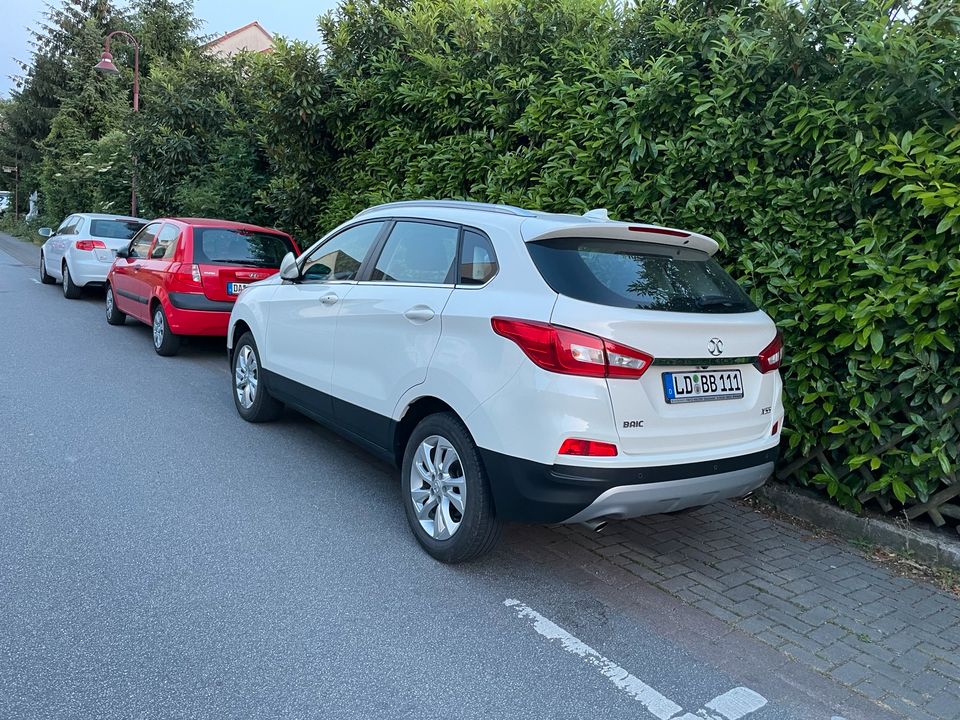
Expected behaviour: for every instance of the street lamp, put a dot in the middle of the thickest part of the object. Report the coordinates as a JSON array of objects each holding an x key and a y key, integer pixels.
[{"x": 106, "y": 66}]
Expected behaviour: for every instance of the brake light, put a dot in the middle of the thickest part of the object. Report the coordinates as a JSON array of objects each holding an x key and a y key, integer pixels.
[
  {"x": 659, "y": 231},
  {"x": 771, "y": 356},
  {"x": 587, "y": 448},
  {"x": 571, "y": 352},
  {"x": 89, "y": 244},
  {"x": 186, "y": 278}
]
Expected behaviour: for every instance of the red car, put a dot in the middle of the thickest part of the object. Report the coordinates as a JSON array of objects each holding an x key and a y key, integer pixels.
[{"x": 181, "y": 276}]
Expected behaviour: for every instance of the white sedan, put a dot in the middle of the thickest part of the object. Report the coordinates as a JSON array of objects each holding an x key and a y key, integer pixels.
[{"x": 81, "y": 250}]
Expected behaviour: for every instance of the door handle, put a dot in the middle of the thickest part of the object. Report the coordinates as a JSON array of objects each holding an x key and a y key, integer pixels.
[
  {"x": 329, "y": 298},
  {"x": 135, "y": 266},
  {"x": 419, "y": 313}
]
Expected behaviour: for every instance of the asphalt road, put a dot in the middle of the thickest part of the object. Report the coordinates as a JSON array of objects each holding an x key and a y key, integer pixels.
[{"x": 161, "y": 558}]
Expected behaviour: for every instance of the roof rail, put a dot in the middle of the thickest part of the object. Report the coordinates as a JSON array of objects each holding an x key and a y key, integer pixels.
[{"x": 454, "y": 204}]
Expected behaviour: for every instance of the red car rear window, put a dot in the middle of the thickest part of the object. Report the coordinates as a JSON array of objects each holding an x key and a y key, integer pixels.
[{"x": 227, "y": 246}]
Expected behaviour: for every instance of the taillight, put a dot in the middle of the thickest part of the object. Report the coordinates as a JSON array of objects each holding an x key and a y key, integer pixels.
[
  {"x": 587, "y": 448},
  {"x": 771, "y": 356},
  {"x": 186, "y": 278},
  {"x": 89, "y": 244},
  {"x": 571, "y": 352}
]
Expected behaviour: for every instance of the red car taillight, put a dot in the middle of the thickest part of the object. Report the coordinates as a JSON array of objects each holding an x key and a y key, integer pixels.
[
  {"x": 587, "y": 448},
  {"x": 571, "y": 352},
  {"x": 771, "y": 356},
  {"x": 186, "y": 278},
  {"x": 89, "y": 244}
]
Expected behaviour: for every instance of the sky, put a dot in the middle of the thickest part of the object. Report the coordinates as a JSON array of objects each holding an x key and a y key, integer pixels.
[{"x": 294, "y": 19}]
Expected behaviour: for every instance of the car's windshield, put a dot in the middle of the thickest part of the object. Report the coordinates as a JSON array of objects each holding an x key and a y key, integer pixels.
[
  {"x": 231, "y": 246},
  {"x": 115, "y": 229},
  {"x": 647, "y": 276}
]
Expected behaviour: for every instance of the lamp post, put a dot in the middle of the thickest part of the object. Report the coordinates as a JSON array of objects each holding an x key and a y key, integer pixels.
[{"x": 106, "y": 66}]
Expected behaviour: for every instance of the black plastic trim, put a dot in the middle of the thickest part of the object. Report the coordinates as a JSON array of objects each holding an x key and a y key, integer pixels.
[
  {"x": 705, "y": 362},
  {"x": 370, "y": 430},
  {"x": 528, "y": 491},
  {"x": 130, "y": 296},
  {"x": 196, "y": 301}
]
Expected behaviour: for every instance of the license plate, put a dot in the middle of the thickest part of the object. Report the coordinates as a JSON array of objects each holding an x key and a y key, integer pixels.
[
  {"x": 700, "y": 386},
  {"x": 236, "y": 288}
]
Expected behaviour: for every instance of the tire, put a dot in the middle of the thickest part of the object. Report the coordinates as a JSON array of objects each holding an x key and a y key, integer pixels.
[
  {"x": 70, "y": 290},
  {"x": 45, "y": 277},
  {"x": 115, "y": 316},
  {"x": 253, "y": 399},
  {"x": 164, "y": 341},
  {"x": 478, "y": 528}
]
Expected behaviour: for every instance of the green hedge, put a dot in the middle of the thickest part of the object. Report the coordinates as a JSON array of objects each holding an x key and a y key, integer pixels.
[{"x": 818, "y": 142}]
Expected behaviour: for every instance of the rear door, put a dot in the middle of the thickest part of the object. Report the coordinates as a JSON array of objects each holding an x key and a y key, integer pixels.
[
  {"x": 230, "y": 258},
  {"x": 389, "y": 325},
  {"x": 704, "y": 389}
]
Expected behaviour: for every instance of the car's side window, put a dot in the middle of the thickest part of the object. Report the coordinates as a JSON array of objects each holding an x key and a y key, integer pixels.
[
  {"x": 418, "y": 252},
  {"x": 66, "y": 227},
  {"x": 478, "y": 261},
  {"x": 140, "y": 245},
  {"x": 340, "y": 257},
  {"x": 166, "y": 244}
]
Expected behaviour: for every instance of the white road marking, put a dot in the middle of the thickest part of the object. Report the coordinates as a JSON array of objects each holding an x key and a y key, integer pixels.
[
  {"x": 736, "y": 703},
  {"x": 35, "y": 280},
  {"x": 732, "y": 705}
]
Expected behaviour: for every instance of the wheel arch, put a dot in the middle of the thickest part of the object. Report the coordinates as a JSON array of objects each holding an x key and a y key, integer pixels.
[
  {"x": 234, "y": 333},
  {"x": 414, "y": 413}
]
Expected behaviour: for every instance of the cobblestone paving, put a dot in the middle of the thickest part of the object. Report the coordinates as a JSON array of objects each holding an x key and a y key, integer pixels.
[{"x": 819, "y": 601}]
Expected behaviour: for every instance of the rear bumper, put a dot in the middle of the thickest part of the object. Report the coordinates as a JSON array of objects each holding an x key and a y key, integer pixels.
[
  {"x": 194, "y": 314},
  {"x": 86, "y": 269},
  {"x": 526, "y": 491}
]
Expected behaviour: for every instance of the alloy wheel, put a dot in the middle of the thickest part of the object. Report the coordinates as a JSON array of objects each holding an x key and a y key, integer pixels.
[
  {"x": 158, "y": 328},
  {"x": 66, "y": 279},
  {"x": 438, "y": 487},
  {"x": 109, "y": 302},
  {"x": 246, "y": 376}
]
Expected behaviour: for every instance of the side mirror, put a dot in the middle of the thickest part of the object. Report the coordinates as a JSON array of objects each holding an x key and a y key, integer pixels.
[
  {"x": 123, "y": 252},
  {"x": 288, "y": 268},
  {"x": 45, "y": 232}
]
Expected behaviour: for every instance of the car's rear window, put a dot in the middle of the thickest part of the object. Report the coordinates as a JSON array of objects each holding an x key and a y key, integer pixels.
[
  {"x": 228, "y": 246},
  {"x": 116, "y": 229},
  {"x": 646, "y": 276}
]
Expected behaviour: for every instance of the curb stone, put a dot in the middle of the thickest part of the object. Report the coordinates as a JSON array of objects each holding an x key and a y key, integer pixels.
[{"x": 807, "y": 506}]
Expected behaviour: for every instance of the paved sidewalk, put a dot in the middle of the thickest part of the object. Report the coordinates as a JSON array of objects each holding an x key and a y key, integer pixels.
[{"x": 819, "y": 601}]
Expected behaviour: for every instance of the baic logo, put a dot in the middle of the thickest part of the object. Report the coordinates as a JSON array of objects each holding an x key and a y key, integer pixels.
[{"x": 715, "y": 346}]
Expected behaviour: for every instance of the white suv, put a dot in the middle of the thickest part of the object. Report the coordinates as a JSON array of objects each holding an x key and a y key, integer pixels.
[{"x": 519, "y": 365}]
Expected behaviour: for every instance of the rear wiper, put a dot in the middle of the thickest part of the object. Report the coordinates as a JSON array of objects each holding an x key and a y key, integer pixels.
[{"x": 717, "y": 301}]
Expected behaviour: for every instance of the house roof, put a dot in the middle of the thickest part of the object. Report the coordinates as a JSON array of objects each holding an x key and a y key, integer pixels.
[{"x": 233, "y": 33}]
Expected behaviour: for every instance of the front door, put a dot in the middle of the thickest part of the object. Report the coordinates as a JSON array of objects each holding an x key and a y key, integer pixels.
[
  {"x": 389, "y": 326},
  {"x": 302, "y": 318},
  {"x": 130, "y": 291},
  {"x": 56, "y": 246},
  {"x": 154, "y": 268}
]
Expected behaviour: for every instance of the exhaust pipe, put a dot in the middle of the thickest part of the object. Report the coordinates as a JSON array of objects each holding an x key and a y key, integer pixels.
[{"x": 596, "y": 524}]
